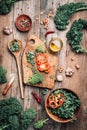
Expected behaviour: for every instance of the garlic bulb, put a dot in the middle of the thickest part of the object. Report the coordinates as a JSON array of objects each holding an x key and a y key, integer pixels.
[{"x": 7, "y": 30}]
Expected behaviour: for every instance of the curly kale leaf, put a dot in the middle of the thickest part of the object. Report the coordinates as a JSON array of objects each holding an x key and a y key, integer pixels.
[
  {"x": 74, "y": 35},
  {"x": 9, "y": 107},
  {"x": 26, "y": 118},
  {"x": 65, "y": 11}
]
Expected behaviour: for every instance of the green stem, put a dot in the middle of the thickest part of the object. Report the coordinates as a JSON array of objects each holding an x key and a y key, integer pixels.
[
  {"x": 4, "y": 127},
  {"x": 45, "y": 120},
  {"x": 81, "y": 9}
]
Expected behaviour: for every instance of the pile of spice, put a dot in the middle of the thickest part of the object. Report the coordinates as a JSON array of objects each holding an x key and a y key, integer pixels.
[{"x": 24, "y": 23}]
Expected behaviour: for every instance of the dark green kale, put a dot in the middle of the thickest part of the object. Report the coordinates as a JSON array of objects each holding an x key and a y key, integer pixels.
[
  {"x": 6, "y": 6},
  {"x": 12, "y": 117},
  {"x": 14, "y": 122},
  {"x": 9, "y": 107},
  {"x": 65, "y": 11},
  {"x": 74, "y": 35},
  {"x": 26, "y": 118},
  {"x": 3, "y": 78}
]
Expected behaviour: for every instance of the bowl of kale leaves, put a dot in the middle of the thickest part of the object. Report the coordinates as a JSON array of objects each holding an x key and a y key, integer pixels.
[{"x": 62, "y": 105}]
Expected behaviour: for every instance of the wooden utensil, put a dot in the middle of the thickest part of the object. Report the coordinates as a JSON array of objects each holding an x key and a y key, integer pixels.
[{"x": 17, "y": 57}]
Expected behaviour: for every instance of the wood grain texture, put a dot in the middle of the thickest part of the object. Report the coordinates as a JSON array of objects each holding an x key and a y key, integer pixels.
[
  {"x": 77, "y": 82},
  {"x": 49, "y": 78}
]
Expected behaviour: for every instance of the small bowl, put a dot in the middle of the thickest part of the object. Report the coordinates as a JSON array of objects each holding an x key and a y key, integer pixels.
[
  {"x": 57, "y": 118},
  {"x": 23, "y": 23},
  {"x": 53, "y": 46}
]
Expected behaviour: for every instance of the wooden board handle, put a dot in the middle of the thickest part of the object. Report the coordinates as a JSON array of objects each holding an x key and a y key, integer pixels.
[{"x": 20, "y": 77}]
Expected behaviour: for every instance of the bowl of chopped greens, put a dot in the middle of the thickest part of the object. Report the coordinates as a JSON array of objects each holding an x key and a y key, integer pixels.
[{"x": 62, "y": 105}]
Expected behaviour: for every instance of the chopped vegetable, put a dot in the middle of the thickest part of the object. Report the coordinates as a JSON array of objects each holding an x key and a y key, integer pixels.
[
  {"x": 3, "y": 78},
  {"x": 42, "y": 63},
  {"x": 39, "y": 124},
  {"x": 45, "y": 91},
  {"x": 65, "y": 11},
  {"x": 68, "y": 107},
  {"x": 36, "y": 97},
  {"x": 14, "y": 46},
  {"x": 36, "y": 78},
  {"x": 74, "y": 35},
  {"x": 40, "y": 48},
  {"x": 30, "y": 57},
  {"x": 41, "y": 58}
]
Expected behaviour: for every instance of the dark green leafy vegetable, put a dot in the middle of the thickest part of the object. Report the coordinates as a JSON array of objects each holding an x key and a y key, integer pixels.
[
  {"x": 39, "y": 124},
  {"x": 9, "y": 107},
  {"x": 14, "y": 122},
  {"x": 26, "y": 118},
  {"x": 65, "y": 11},
  {"x": 40, "y": 49},
  {"x": 6, "y": 6},
  {"x": 12, "y": 117},
  {"x": 74, "y": 35},
  {"x": 36, "y": 78},
  {"x": 69, "y": 107},
  {"x": 30, "y": 57},
  {"x": 15, "y": 46},
  {"x": 3, "y": 78},
  {"x": 4, "y": 127},
  {"x": 45, "y": 91}
]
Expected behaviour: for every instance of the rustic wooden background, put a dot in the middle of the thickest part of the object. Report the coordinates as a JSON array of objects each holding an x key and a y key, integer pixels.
[{"x": 78, "y": 82}]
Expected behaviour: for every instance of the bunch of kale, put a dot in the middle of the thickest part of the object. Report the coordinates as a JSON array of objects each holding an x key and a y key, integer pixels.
[
  {"x": 65, "y": 11},
  {"x": 6, "y": 6},
  {"x": 12, "y": 117}
]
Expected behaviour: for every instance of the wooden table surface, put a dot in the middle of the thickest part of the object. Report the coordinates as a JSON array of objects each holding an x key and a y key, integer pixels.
[{"x": 78, "y": 82}]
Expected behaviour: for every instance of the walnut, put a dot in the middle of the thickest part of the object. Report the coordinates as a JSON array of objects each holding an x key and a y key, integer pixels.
[{"x": 7, "y": 30}]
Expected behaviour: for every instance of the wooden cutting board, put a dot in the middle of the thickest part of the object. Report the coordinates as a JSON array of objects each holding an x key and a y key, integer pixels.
[{"x": 32, "y": 43}]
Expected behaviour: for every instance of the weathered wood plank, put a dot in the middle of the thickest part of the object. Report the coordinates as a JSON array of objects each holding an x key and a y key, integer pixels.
[{"x": 77, "y": 82}]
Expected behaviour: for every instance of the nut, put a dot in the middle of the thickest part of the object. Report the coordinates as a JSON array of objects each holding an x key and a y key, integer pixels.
[
  {"x": 7, "y": 30},
  {"x": 60, "y": 69},
  {"x": 73, "y": 58},
  {"x": 60, "y": 78},
  {"x": 69, "y": 72},
  {"x": 77, "y": 66}
]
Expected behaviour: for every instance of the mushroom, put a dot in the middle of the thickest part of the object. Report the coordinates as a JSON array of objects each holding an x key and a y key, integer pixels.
[{"x": 59, "y": 78}]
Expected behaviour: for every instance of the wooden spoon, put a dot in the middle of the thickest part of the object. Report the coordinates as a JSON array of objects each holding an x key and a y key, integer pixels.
[{"x": 17, "y": 57}]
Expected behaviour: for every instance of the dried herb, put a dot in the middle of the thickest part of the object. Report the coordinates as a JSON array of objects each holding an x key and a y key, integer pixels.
[
  {"x": 65, "y": 11},
  {"x": 74, "y": 35}
]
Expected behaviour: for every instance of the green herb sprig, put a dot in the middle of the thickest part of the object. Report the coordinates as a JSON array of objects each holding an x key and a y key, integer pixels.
[
  {"x": 74, "y": 35},
  {"x": 65, "y": 11}
]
